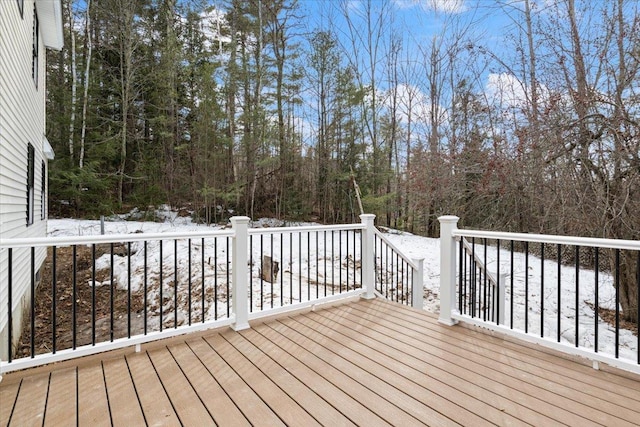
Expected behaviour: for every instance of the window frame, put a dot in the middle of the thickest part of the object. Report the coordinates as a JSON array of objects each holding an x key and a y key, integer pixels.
[
  {"x": 31, "y": 166},
  {"x": 35, "y": 63},
  {"x": 43, "y": 193}
]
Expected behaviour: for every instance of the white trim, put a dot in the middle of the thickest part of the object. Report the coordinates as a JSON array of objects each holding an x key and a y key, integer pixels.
[
  {"x": 47, "y": 150},
  {"x": 50, "y": 18},
  {"x": 588, "y": 354},
  {"x": 67, "y": 354},
  {"x": 108, "y": 238},
  {"x": 543, "y": 238},
  {"x": 304, "y": 229},
  {"x": 292, "y": 308},
  {"x": 409, "y": 261}
]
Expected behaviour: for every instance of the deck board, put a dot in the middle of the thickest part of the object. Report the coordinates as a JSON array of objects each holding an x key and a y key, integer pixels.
[
  {"x": 363, "y": 363},
  {"x": 62, "y": 394},
  {"x": 585, "y": 400},
  {"x": 8, "y": 394},
  {"x": 154, "y": 401},
  {"x": 448, "y": 385},
  {"x": 482, "y": 370},
  {"x": 30, "y": 406},
  {"x": 92, "y": 406},
  {"x": 124, "y": 407},
  {"x": 217, "y": 402},
  {"x": 397, "y": 389}
]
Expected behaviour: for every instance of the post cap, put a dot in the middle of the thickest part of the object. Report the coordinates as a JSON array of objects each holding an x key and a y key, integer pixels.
[
  {"x": 240, "y": 220},
  {"x": 448, "y": 218}
]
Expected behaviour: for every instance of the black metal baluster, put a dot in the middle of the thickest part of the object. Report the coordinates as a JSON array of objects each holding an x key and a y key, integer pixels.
[
  {"x": 308, "y": 265},
  {"x": 401, "y": 279},
  {"x": 333, "y": 263},
  {"x": 128, "y": 289},
  {"x": 290, "y": 268},
  {"x": 175, "y": 283},
  {"x": 282, "y": 266},
  {"x": 512, "y": 297},
  {"x": 10, "y": 306},
  {"x": 461, "y": 263},
  {"x": 498, "y": 285},
  {"x": 33, "y": 303},
  {"x": 559, "y": 263},
  {"x": 386, "y": 271},
  {"x": 638, "y": 305},
  {"x": 251, "y": 272},
  {"x": 473, "y": 277},
  {"x": 317, "y": 268},
  {"x": 340, "y": 260},
  {"x": 189, "y": 280},
  {"x": 299, "y": 267},
  {"x": 361, "y": 256},
  {"x": 484, "y": 281},
  {"x": 526, "y": 287},
  {"x": 261, "y": 272},
  {"x": 324, "y": 257},
  {"x": 617, "y": 303},
  {"x": 347, "y": 244},
  {"x": 542, "y": 290},
  {"x": 596, "y": 269},
  {"x": 202, "y": 291},
  {"x": 577, "y": 292},
  {"x": 161, "y": 280},
  {"x": 228, "y": 280},
  {"x": 73, "y": 296},
  {"x": 54, "y": 297},
  {"x": 215, "y": 278},
  {"x": 93, "y": 294},
  {"x": 145, "y": 288},
  {"x": 111, "y": 293},
  {"x": 271, "y": 269}
]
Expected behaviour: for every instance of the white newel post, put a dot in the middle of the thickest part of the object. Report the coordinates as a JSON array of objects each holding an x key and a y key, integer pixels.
[
  {"x": 417, "y": 291},
  {"x": 240, "y": 272},
  {"x": 448, "y": 223},
  {"x": 368, "y": 265}
]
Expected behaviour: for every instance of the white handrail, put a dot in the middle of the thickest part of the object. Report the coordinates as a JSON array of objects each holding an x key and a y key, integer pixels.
[
  {"x": 542, "y": 238},
  {"x": 108, "y": 238},
  {"x": 307, "y": 228},
  {"x": 395, "y": 249}
]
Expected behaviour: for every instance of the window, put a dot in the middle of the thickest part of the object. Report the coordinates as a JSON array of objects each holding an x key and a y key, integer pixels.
[
  {"x": 43, "y": 193},
  {"x": 21, "y": 7},
  {"x": 31, "y": 160},
  {"x": 36, "y": 45}
]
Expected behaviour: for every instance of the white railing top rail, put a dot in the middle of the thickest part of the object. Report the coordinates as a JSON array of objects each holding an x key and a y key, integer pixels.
[
  {"x": 395, "y": 249},
  {"x": 108, "y": 238},
  {"x": 306, "y": 228},
  {"x": 544, "y": 238}
]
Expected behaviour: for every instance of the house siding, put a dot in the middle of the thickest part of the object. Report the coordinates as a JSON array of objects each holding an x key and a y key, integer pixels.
[{"x": 22, "y": 121}]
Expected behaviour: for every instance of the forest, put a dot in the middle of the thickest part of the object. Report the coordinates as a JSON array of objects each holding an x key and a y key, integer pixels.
[{"x": 280, "y": 107}]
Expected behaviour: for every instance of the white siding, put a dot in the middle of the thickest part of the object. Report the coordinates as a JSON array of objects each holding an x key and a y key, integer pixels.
[{"x": 22, "y": 121}]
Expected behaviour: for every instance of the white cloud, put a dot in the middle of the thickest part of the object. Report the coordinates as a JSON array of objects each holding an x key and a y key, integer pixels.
[
  {"x": 446, "y": 6},
  {"x": 506, "y": 90}
]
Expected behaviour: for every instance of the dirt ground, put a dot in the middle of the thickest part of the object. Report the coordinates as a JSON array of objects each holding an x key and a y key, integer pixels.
[{"x": 84, "y": 302}]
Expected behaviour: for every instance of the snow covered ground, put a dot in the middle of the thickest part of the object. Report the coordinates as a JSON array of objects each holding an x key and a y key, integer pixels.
[{"x": 331, "y": 264}]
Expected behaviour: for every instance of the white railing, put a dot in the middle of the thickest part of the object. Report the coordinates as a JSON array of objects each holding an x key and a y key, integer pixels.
[
  {"x": 112, "y": 291},
  {"x": 552, "y": 290}
]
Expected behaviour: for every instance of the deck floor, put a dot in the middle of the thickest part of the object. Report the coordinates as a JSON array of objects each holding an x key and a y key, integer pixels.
[{"x": 364, "y": 363}]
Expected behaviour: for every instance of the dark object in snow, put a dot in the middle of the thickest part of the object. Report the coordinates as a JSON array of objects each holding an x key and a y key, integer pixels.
[{"x": 270, "y": 269}]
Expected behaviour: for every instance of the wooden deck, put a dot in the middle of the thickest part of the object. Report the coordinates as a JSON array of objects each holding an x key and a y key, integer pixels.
[{"x": 364, "y": 363}]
